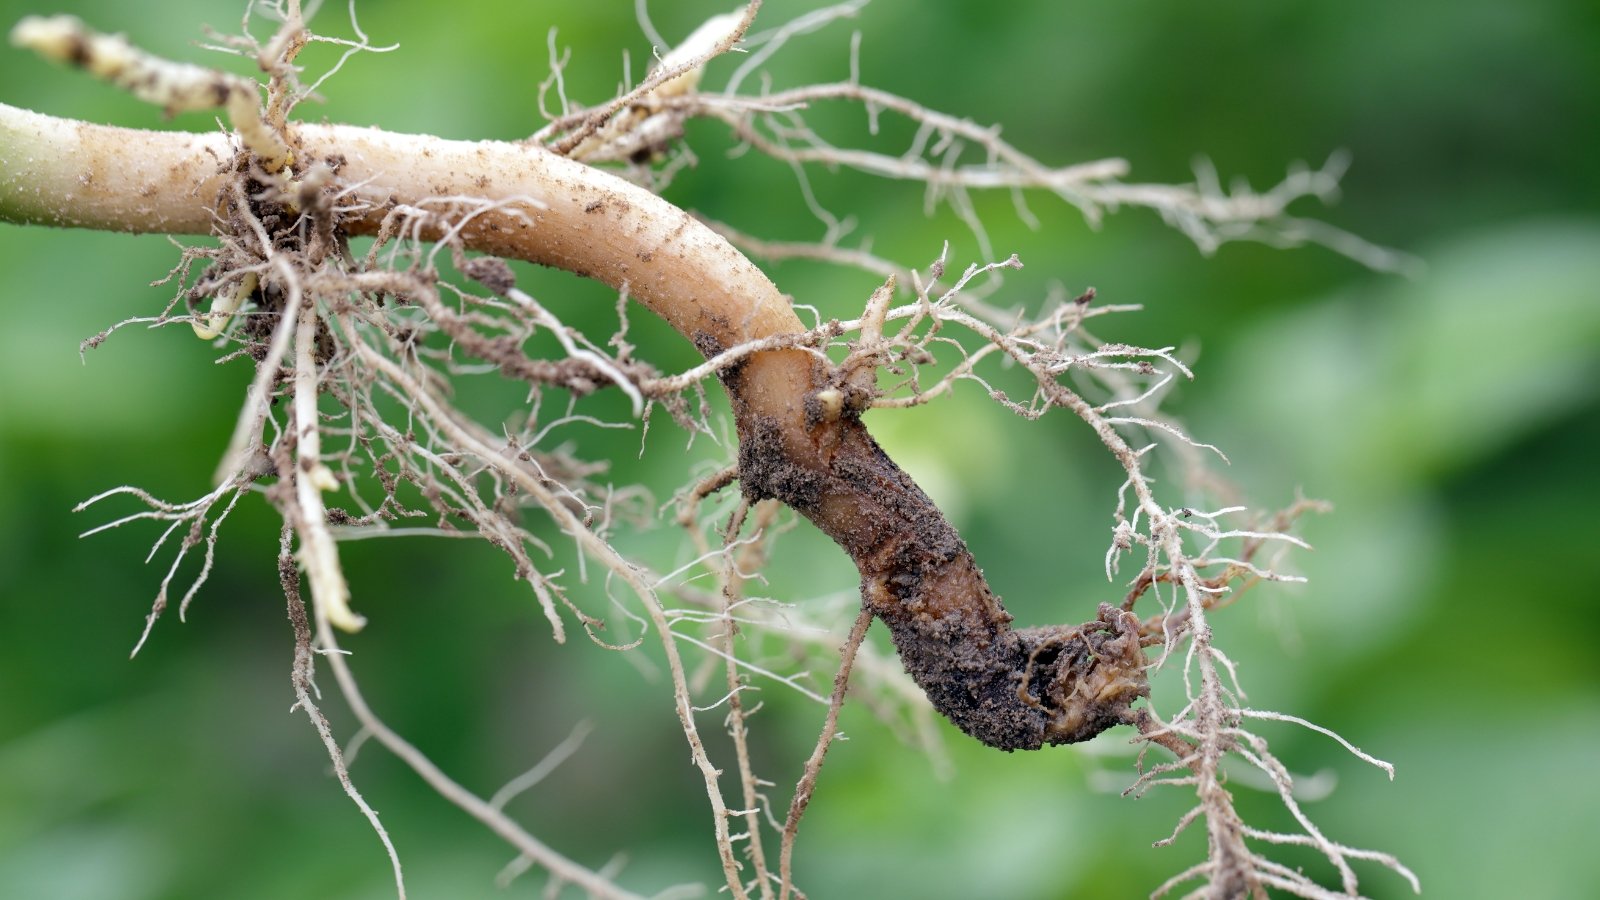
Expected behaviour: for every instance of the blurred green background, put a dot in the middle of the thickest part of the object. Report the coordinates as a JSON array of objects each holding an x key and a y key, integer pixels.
[{"x": 1448, "y": 625}]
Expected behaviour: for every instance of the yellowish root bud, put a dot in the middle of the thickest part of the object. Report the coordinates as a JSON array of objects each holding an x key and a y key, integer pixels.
[
  {"x": 223, "y": 306},
  {"x": 640, "y": 127},
  {"x": 329, "y": 590},
  {"x": 700, "y": 42},
  {"x": 322, "y": 478},
  {"x": 830, "y": 402}
]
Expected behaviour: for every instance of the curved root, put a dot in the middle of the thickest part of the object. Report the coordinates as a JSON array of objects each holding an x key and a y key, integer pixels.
[{"x": 1011, "y": 689}]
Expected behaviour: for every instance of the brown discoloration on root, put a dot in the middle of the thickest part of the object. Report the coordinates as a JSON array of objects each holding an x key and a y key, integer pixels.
[
  {"x": 767, "y": 471},
  {"x": 1011, "y": 689}
]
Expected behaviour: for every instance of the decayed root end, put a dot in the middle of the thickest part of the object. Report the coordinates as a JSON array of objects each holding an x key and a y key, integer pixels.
[
  {"x": 1011, "y": 689},
  {"x": 1091, "y": 674}
]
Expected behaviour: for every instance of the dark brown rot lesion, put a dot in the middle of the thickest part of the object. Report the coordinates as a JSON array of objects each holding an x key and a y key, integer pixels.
[{"x": 1014, "y": 689}]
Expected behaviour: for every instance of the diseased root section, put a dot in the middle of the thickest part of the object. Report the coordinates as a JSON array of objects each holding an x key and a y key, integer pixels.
[
  {"x": 1090, "y": 673},
  {"x": 1015, "y": 690},
  {"x": 1021, "y": 689}
]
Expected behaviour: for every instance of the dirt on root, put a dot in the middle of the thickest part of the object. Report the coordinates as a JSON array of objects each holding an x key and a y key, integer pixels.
[{"x": 1010, "y": 689}]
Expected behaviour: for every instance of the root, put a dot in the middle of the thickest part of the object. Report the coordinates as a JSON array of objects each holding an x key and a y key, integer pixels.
[
  {"x": 385, "y": 338},
  {"x": 304, "y": 679},
  {"x": 813, "y": 767},
  {"x": 1009, "y": 689}
]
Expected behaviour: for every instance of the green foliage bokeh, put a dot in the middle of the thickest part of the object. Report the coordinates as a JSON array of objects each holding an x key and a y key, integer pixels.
[{"x": 1447, "y": 626}]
